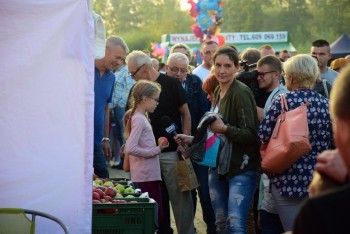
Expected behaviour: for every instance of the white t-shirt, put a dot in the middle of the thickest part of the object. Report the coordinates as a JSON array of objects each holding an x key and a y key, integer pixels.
[{"x": 202, "y": 72}]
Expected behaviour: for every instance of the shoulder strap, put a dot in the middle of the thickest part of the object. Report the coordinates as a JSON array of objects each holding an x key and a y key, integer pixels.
[
  {"x": 324, "y": 82},
  {"x": 284, "y": 104}
]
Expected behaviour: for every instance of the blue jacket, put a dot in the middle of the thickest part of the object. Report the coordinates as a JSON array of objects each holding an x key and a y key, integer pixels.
[{"x": 197, "y": 100}]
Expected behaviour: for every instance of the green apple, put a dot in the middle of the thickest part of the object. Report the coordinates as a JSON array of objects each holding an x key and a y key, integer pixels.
[
  {"x": 98, "y": 182},
  {"x": 119, "y": 195},
  {"x": 130, "y": 196},
  {"x": 121, "y": 188},
  {"x": 109, "y": 184},
  {"x": 129, "y": 190}
]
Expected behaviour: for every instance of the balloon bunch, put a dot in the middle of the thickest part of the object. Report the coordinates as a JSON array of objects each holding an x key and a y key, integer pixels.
[
  {"x": 159, "y": 50},
  {"x": 208, "y": 15}
]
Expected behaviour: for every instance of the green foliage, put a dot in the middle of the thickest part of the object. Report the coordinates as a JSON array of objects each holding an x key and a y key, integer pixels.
[{"x": 141, "y": 22}]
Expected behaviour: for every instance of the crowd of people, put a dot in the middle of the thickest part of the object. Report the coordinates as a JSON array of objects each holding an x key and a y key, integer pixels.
[{"x": 245, "y": 200}]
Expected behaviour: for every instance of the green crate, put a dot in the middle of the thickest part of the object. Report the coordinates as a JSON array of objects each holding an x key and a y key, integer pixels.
[
  {"x": 123, "y": 181},
  {"x": 136, "y": 195},
  {"x": 131, "y": 218}
]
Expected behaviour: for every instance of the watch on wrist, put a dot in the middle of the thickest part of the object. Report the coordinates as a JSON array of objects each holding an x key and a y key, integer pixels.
[{"x": 105, "y": 139}]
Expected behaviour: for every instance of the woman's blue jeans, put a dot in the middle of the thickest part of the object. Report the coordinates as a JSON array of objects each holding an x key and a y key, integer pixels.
[{"x": 231, "y": 199}]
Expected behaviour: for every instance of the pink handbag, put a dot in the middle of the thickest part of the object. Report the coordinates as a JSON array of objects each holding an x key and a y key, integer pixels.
[{"x": 289, "y": 140}]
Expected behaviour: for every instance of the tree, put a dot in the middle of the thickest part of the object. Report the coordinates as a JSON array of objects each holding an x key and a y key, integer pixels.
[{"x": 141, "y": 22}]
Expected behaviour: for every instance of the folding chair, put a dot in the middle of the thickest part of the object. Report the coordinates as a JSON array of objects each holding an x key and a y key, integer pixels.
[{"x": 14, "y": 220}]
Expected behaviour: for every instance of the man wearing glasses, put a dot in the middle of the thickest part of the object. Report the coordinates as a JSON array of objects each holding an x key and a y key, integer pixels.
[
  {"x": 177, "y": 66},
  {"x": 207, "y": 51},
  {"x": 172, "y": 103},
  {"x": 270, "y": 69}
]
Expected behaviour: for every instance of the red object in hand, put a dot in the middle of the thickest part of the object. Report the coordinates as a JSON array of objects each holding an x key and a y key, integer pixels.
[{"x": 164, "y": 140}]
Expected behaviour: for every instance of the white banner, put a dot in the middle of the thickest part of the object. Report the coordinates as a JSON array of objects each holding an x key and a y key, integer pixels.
[
  {"x": 46, "y": 103},
  {"x": 235, "y": 37}
]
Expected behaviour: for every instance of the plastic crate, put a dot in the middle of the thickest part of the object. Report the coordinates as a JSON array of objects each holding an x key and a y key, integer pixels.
[
  {"x": 124, "y": 181},
  {"x": 130, "y": 218}
]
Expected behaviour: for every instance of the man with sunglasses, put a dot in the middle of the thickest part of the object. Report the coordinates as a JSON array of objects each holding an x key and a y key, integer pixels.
[
  {"x": 270, "y": 69},
  {"x": 172, "y": 103}
]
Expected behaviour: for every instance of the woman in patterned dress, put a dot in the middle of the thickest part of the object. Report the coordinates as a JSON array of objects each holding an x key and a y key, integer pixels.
[{"x": 290, "y": 188}]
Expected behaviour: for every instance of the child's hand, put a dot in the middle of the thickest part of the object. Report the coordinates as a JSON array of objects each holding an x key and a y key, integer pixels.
[{"x": 163, "y": 143}]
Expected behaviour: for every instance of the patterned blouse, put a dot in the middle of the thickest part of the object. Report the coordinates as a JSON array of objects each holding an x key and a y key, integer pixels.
[{"x": 295, "y": 180}]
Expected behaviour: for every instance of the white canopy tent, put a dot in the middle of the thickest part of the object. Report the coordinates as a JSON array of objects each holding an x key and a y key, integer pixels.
[{"x": 46, "y": 102}]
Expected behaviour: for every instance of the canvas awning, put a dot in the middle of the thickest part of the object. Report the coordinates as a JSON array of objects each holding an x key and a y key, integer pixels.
[{"x": 341, "y": 47}]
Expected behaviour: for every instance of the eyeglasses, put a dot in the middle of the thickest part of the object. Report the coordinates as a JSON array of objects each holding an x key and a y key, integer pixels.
[
  {"x": 155, "y": 99},
  {"x": 138, "y": 69},
  {"x": 176, "y": 70},
  {"x": 262, "y": 74},
  {"x": 120, "y": 59}
]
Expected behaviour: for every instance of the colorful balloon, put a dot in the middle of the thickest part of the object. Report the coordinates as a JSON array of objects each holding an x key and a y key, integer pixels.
[{"x": 208, "y": 14}]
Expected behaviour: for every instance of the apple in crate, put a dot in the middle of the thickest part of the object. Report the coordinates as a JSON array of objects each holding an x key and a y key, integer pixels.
[
  {"x": 129, "y": 190},
  {"x": 108, "y": 184},
  {"x": 95, "y": 196},
  {"x": 110, "y": 192},
  {"x": 120, "y": 188},
  {"x": 119, "y": 201},
  {"x": 107, "y": 198},
  {"x": 100, "y": 192},
  {"x": 98, "y": 182}
]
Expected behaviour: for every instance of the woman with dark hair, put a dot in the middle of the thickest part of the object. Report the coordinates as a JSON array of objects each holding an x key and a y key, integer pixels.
[{"x": 231, "y": 194}]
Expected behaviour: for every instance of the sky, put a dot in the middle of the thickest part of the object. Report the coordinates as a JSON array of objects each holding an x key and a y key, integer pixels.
[{"x": 185, "y": 5}]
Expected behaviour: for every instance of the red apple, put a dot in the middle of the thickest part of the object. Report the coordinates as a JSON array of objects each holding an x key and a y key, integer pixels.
[
  {"x": 100, "y": 192},
  {"x": 103, "y": 200},
  {"x": 107, "y": 198},
  {"x": 101, "y": 187},
  {"x": 110, "y": 192},
  {"x": 96, "y": 196},
  {"x": 164, "y": 140},
  {"x": 120, "y": 201},
  {"x": 95, "y": 201}
]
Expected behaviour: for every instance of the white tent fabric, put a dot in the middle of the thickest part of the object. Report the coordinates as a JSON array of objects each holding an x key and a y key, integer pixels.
[{"x": 46, "y": 104}]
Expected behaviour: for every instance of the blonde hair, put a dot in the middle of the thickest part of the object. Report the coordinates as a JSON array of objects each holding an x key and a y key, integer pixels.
[
  {"x": 340, "y": 96},
  {"x": 303, "y": 69},
  {"x": 141, "y": 89}
]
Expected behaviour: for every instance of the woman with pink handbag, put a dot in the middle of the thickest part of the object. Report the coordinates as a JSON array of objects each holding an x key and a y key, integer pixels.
[{"x": 289, "y": 188}]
